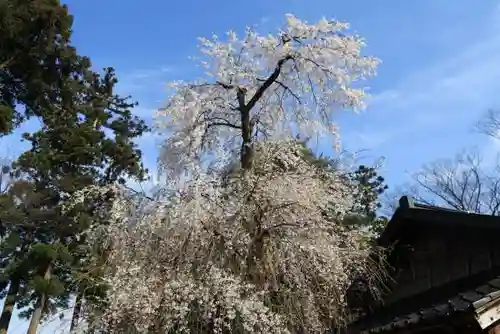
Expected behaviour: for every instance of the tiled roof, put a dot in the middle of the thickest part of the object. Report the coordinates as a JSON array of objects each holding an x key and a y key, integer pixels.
[
  {"x": 410, "y": 213},
  {"x": 437, "y": 302},
  {"x": 469, "y": 300}
]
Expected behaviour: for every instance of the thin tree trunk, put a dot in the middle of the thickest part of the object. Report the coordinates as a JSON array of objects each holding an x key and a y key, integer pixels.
[
  {"x": 76, "y": 312},
  {"x": 247, "y": 124},
  {"x": 40, "y": 305},
  {"x": 246, "y": 154},
  {"x": 8, "y": 307}
]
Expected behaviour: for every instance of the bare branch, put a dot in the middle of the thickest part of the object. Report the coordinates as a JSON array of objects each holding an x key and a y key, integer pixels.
[
  {"x": 490, "y": 124},
  {"x": 462, "y": 183}
]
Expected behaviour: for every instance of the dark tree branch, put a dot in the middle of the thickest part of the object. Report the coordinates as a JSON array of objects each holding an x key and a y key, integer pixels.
[
  {"x": 269, "y": 81},
  {"x": 230, "y": 125},
  {"x": 490, "y": 124},
  {"x": 286, "y": 88},
  {"x": 463, "y": 184}
]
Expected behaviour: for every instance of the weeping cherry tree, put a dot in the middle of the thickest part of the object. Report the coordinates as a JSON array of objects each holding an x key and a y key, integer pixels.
[{"x": 246, "y": 236}]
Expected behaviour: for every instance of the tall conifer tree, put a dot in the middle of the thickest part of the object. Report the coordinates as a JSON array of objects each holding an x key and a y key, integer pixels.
[{"x": 86, "y": 138}]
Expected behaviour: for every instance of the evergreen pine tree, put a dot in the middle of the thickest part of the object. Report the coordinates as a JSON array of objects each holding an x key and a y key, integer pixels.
[
  {"x": 69, "y": 153},
  {"x": 370, "y": 186},
  {"x": 34, "y": 34},
  {"x": 85, "y": 139}
]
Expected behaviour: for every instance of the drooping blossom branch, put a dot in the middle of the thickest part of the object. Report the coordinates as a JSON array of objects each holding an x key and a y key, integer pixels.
[{"x": 251, "y": 240}]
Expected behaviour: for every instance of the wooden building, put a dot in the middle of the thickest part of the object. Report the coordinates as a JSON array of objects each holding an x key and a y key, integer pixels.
[{"x": 446, "y": 274}]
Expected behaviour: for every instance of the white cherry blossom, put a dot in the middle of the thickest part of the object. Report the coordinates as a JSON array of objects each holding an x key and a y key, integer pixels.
[
  {"x": 250, "y": 241},
  {"x": 258, "y": 87}
]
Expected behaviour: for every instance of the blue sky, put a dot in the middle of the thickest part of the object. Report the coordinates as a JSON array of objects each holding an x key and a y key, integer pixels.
[{"x": 440, "y": 70}]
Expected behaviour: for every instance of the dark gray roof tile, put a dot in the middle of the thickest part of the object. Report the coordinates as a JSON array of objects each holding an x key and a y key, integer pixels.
[
  {"x": 481, "y": 302},
  {"x": 474, "y": 298},
  {"x": 486, "y": 289},
  {"x": 429, "y": 313},
  {"x": 495, "y": 282},
  {"x": 400, "y": 323},
  {"x": 413, "y": 318},
  {"x": 443, "y": 309},
  {"x": 459, "y": 304},
  {"x": 471, "y": 296}
]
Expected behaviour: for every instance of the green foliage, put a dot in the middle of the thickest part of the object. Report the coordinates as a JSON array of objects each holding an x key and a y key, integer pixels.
[
  {"x": 23, "y": 249},
  {"x": 34, "y": 36},
  {"x": 370, "y": 186},
  {"x": 86, "y": 139},
  {"x": 7, "y": 119}
]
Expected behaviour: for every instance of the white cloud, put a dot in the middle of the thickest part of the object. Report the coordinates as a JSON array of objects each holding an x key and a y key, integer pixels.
[
  {"x": 148, "y": 73},
  {"x": 459, "y": 89},
  {"x": 264, "y": 20},
  {"x": 137, "y": 81},
  {"x": 143, "y": 112},
  {"x": 369, "y": 139}
]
